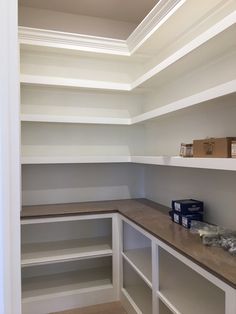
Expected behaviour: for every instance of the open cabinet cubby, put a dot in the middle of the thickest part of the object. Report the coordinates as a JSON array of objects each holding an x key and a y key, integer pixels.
[
  {"x": 137, "y": 252},
  {"x": 59, "y": 240},
  {"x": 64, "y": 279},
  {"x": 137, "y": 290},
  {"x": 187, "y": 291}
]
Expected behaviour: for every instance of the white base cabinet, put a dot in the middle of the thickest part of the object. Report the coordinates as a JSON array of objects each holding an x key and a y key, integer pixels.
[
  {"x": 68, "y": 262},
  {"x": 176, "y": 286}
]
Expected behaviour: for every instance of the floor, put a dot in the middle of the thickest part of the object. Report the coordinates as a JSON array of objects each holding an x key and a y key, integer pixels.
[{"x": 107, "y": 308}]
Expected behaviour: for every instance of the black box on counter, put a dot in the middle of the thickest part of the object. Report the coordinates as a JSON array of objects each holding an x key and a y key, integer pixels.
[
  {"x": 185, "y": 220},
  {"x": 187, "y": 206}
]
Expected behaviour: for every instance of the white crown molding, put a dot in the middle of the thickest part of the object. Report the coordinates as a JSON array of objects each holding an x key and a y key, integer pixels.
[
  {"x": 158, "y": 15},
  {"x": 48, "y": 38},
  {"x": 55, "y": 39}
]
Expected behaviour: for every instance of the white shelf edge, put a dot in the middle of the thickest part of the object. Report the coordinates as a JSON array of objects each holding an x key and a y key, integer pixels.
[
  {"x": 173, "y": 161},
  {"x": 196, "y": 99},
  {"x": 73, "y": 119},
  {"x": 152, "y": 22},
  {"x": 131, "y": 301},
  {"x": 188, "y": 162},
  {"x": 68, "y": 257},
  {"x": 137, "y": 270},
  {"x": 212, "y": 32},
  {"x": 72, "y": 41},
  {"x": 79, "y": 159},
  {"x": 73, "y": 83},
  {"x": 167, "y": 303},
  {"x": 66, "y": 293}
]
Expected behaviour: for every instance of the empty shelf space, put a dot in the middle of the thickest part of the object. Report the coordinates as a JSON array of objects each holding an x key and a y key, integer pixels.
[
  {"x": 66, "y": 283},
  {"x": 37, "y": 253},
  {"x": 136, "y": 290},
  {"x": 142, "y": 260},
  {"x": 186, "y": 290}
]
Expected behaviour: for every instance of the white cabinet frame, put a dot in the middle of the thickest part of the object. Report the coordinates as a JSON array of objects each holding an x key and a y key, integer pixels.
[{"x": 129, "y": 304}]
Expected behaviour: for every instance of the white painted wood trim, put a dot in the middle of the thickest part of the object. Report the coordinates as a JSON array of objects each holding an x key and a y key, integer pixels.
[
  {"x": 116, "y": 256},
  {"x": 30, "y": 221},
  {"x": 158, "y": 15},
  {"x": 72, "y": 41},
  {"x": 10, "y": 283}
]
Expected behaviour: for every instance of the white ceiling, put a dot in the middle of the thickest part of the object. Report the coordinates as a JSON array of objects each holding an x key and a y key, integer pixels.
[{"x": 132, "y": 11}]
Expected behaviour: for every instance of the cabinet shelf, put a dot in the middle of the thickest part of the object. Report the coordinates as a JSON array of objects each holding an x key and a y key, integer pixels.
[
  {"x": 43, "y": 253},
  {"x": 140, "y": 260},
  {"x": 67, "y": 283}
]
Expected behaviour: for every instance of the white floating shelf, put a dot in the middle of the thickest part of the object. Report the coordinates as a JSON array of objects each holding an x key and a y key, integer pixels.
[
  {"x": 174, "y": 161},
  {"x": 72, "y": 83},
  {"x": 44, "y": 253},
  {"x": 190, "y": 162},
  {"x": 73, "y": 119},
  {"x": 193, "y": 100},
  {"x": 74, "y": 159},
  {"x": 205, "y": 41},
  {"x": 68, "y": 283}
]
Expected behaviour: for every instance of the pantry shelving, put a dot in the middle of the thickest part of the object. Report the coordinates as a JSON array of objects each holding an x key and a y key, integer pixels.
[
  {"x": 49, "y": 252},
  {"x": 88, "y": 100}
]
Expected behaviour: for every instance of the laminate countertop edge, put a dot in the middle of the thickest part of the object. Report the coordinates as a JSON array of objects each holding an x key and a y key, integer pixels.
[{"x": 153, "y": 218}]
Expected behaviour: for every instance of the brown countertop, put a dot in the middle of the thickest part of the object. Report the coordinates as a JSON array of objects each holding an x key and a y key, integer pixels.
[{"x": 153, "y": 218}]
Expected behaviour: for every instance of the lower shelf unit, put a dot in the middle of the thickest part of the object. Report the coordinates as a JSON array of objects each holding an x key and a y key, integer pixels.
[
  {"x": 177, "y": 285},
  {"x": 68, "y": 262}
]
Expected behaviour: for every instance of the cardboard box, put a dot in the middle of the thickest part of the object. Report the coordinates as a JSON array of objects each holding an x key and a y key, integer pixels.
[{"x": 213, "y": 147}]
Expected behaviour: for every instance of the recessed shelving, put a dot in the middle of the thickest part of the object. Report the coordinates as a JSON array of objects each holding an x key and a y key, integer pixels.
[{"x": 48, "y": 252}]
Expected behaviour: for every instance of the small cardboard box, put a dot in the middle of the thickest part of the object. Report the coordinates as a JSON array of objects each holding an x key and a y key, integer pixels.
[{"x": 213, "y": 147}]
